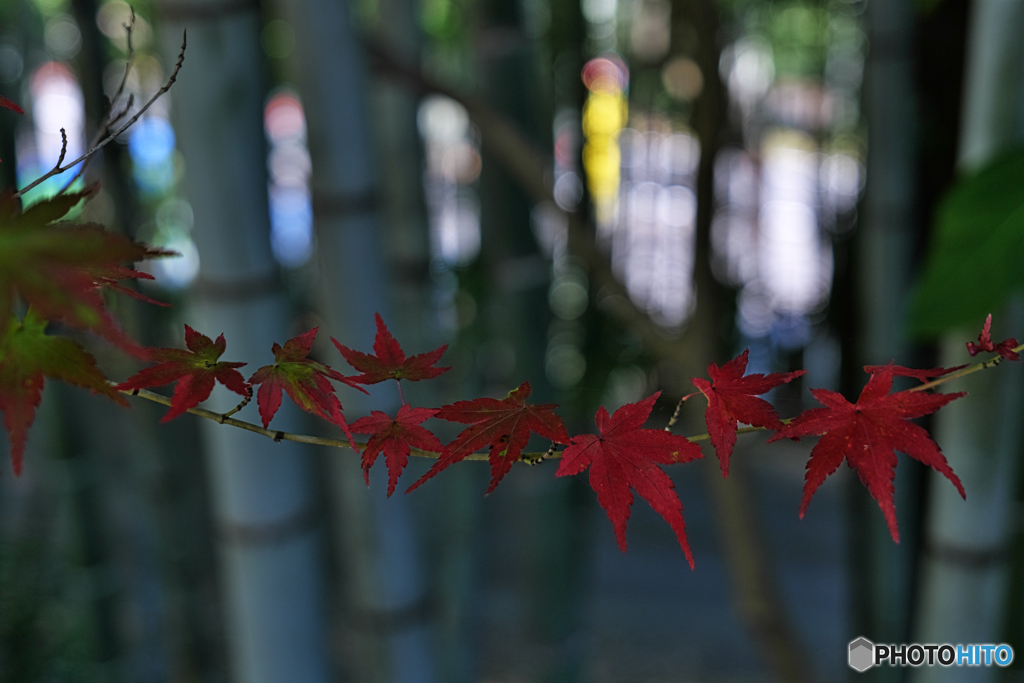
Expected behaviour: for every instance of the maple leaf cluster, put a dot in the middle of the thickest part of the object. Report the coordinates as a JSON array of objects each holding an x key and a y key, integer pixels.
[
  {"x": 622, "y": 457},
  {"x": 57, "y": 271}
]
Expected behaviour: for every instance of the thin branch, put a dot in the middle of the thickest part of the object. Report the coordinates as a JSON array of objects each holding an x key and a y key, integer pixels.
[
  {"x": 128, "y": 28},
  {"x": 96, "y": 139},
  {"x": 112, "y": 118},
  {"x": 276, "y": 435},
  {"x": 991, "y": 363},
  {"x": 244, "y": 403},
  {"x": 58, "y": 169},
  {"x": 533, "y": 458},
  {"x": 63, "y": 147},
  {"x": 124, "y": 112},
  {"x": 129, "y": 62},
  {"x": 675, "y": 415}
]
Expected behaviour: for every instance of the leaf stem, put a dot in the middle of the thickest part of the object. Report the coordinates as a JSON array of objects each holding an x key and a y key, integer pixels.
[
  {"x": 245, "y": 402},
  {"x": 400, "y": 394},
  {"x": 675, "y": 416}
]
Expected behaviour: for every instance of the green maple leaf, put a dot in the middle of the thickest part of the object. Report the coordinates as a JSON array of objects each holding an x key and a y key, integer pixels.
[{"x": 27, "y": 355}]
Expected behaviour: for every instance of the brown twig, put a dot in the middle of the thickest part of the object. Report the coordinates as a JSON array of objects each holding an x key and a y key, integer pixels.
[{"x": 58, "y": 169}]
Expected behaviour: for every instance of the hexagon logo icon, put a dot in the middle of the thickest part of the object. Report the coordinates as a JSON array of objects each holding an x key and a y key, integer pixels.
[{"x": 862, "y": 654}]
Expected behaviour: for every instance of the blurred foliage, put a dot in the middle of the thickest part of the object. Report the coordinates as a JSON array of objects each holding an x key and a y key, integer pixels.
[
  {"x": 45, "y": 632},
  {"x": 799, "y": 36},
  {"x": 977, "y": 248},
  {"x": 445, "y": 21}
]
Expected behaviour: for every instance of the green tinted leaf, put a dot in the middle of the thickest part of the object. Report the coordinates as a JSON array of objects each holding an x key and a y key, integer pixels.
[
  {"x": 977, "y": 254},
  {"x": 27, "y": 354},
  {"x": 52, "y": 209},
  {"x": 59, "y": 268}
]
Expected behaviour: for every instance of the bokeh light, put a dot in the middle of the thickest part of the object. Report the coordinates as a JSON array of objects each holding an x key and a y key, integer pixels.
[
  {"x": 62, "y": 36},
  {"x": 111, "y": 18},
  {"x": 653, "y": 236},
  {"x": 453, "y": 166},
  {"x": 56, "y": 103},
  {"x": 289, "y": 168},
  {"x": 604, "y": 115},
  {"x": 151, "y": 145}
]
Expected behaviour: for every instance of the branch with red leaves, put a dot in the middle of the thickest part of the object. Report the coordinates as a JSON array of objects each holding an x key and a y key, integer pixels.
[{"x": 622, "y": 457}]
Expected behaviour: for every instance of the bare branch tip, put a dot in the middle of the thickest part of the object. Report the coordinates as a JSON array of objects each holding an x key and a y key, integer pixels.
[{"x": 63, "y": 147}]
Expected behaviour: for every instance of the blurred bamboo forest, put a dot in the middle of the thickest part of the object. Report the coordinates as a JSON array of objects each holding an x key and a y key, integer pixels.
[{"x": 598, "y": 197}]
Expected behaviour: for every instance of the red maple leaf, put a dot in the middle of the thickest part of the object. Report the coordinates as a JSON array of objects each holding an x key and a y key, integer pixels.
[
  {"x": 733, "y": 398},
  {"x": 625, "y": 455},
  {"x": 58, "y": 268},
  {"x": 1004, "y": 348},
  {"x": 390, "y": 361},
  {"x": 8, "y": 104},
  {"x": 108, "y": 277},
  {"x": 195, "y": 372},
  {"x": 395, "y": 437},
  {"x": 900, "y": 371},
  {"x": 27, "y": 354},
  {"x": 504, "y": 425},
  {"x": 868, "y": 434},
  {"x": 306, "y": 381}
]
